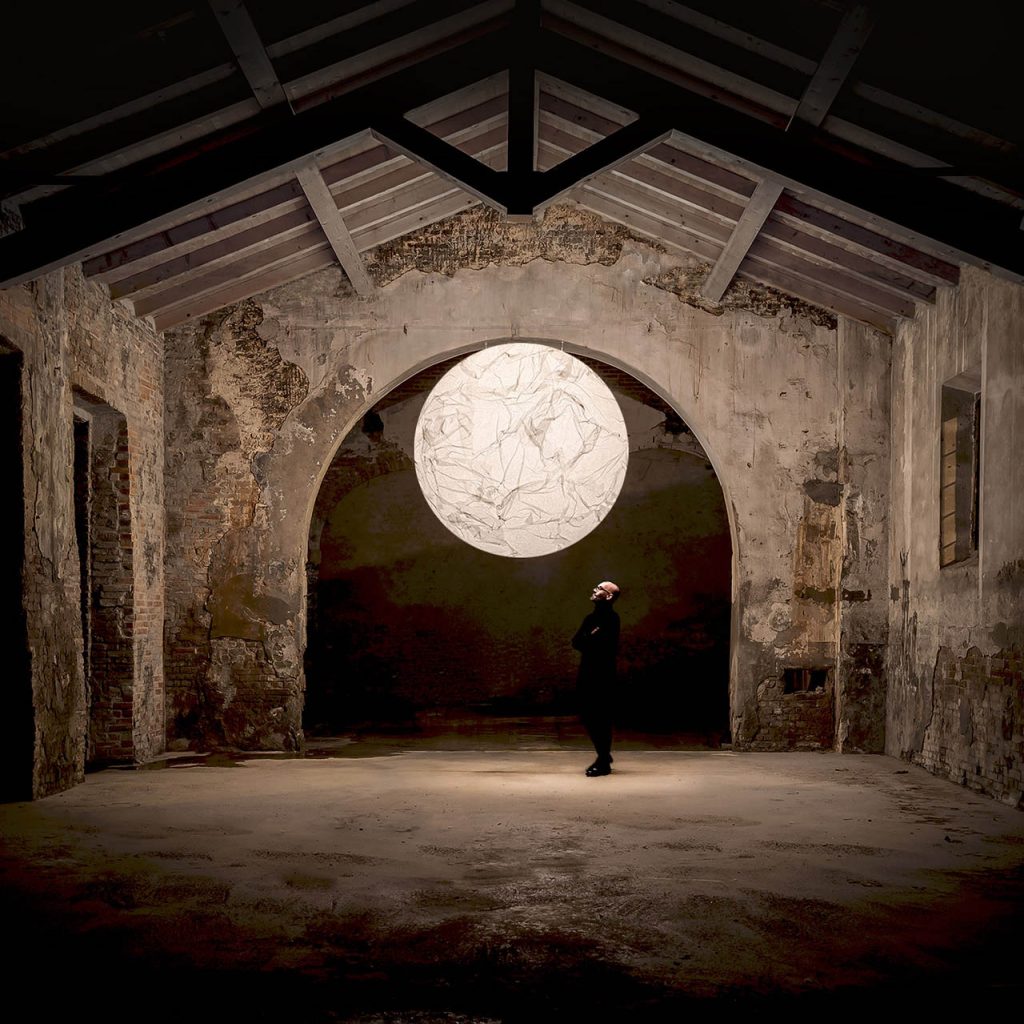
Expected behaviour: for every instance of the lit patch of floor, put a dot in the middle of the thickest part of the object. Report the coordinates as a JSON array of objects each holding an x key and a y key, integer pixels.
[{"x": 503, "y": 885}]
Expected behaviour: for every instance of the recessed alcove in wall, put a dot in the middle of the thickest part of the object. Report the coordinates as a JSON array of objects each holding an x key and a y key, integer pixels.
[
  {"x": 105, "y": 554},
  {"x": 407, "y": 622}
]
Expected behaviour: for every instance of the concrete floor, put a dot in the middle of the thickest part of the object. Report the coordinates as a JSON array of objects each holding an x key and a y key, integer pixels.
[{"x": 427, "y": 885}]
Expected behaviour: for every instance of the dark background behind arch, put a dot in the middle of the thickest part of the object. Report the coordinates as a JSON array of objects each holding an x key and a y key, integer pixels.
[{"x": 405, "y": 619}]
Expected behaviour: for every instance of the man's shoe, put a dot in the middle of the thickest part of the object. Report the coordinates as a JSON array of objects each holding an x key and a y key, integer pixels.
[{"x": 598, "y": 768}]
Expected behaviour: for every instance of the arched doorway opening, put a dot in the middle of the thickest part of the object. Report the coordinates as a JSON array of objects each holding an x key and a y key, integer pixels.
[{"x": 409, "y": 627}]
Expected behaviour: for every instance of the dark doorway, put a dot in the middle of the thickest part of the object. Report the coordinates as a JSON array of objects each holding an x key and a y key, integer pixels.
[
  {"x": 408, "y": 625},
  {"x": 103, "y": 530},
  {"x": 17, "y": 750}
]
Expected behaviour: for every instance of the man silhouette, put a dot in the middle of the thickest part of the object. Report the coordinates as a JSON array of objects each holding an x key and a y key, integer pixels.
[{"x": 597, "y": 640}]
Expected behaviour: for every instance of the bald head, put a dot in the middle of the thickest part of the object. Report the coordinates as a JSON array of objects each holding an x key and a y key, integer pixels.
[{"x": 606, "y": 591}]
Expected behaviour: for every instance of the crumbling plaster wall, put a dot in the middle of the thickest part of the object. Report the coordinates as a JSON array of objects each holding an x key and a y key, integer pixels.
[
  {"x": 71, "y": 336},
  {"x": 260, "y": 395},
  {"x": 956, "y": 660}
]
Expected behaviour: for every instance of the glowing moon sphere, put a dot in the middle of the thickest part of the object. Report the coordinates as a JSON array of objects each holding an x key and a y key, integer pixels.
[{"x": 520, "y": 450}]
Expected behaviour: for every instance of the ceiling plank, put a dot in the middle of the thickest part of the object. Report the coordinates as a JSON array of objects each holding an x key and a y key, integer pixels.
[
  {"x": 33, "y": 180},
  {"x": 617, "y": 31},
  {"x": 825, "y": 298},
  {"x": 762, "y": 202},
  {"x": 412, "y": 197},
  {"x": 835, "y": 66},
  {"x": 610, "y": 152},
  {"x": 644, "y": 202},
  {"x": 491, "y": 112},
  {"x": 351, "y": 194},
  {"x": 730, "y": 34},
  {"x": 195, "y": 229},
  {"x": 681, "y": 191},
  {"x": 724, "y": 178},
  {"x": 194, "y": 83},
  {"x": 246, "y": 45},
  {"x": 322, "y": 203},
  {"x": 919, "y": 264},
  {"x": 640, "y": 171},
  {"x": 336, "y": 26},
  {"x": 428, "y": 28},
  {"x": 270, "y": 277},
  {"x": 766, "y": 250},
  {"x": 452, "y": 202},
  {"x": 674, "y": 236},
  {"x": 362, "y": 207},
  {"x": 872, "y": 270},
  {"x": 262, "y": 235},
  {"x": 563, "y": 118},
  {"x": 238, "y": 269}
]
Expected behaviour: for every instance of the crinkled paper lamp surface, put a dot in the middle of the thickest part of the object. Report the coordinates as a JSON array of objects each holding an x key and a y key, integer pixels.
[{"x": 521, "y": 450}]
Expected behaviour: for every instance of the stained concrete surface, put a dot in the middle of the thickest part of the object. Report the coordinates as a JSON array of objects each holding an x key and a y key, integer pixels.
[{"x": 412, "y": 883}]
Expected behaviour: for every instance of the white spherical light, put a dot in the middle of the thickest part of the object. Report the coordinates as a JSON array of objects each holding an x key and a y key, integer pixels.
[{"x": 520, "y": 450}]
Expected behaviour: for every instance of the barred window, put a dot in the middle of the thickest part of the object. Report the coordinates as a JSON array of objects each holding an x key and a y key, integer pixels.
[{"x": 959, "y": 469}]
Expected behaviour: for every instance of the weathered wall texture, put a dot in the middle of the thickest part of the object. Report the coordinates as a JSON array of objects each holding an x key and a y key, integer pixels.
[
  {"x": 261, "y": 394},
  {"x": 956, "y": 656},
  {"x": 72, "y": 337},
  {"x": 862, "y": 595},
  {"x": 404, "y": 617}
]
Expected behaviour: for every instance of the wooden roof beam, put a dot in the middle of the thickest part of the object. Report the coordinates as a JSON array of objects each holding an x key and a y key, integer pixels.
[
  {"x": 322, "y": 203},
  {"x": 443, "y": 158},
  {"x": 246, "y": 45},
  {"x": 835, "y": 67},
  {"x": 762, "y": 202},
  {"x": 523, "y": 89}
]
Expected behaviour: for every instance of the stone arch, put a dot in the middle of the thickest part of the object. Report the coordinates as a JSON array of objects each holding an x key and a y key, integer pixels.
[{"x": 369, "y": 398}]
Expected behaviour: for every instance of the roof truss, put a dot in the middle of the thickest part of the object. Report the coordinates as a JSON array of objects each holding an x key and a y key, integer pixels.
[{"x": 531, "y": 101}]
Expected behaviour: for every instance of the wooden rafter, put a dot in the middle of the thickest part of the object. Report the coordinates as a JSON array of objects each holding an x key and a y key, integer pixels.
[
  {"x": 762, "y": 202},
  {"x": 246, "y": 45},
  {"x": 445, "y": 159},
  {"x": 835, "y": 66},
  {"x": 322, "y": 204},
  {"x": 822, "y": 89},
  {"x": 593, "y": 123},
  {"x": 242, "y": 287},
  {"x": 522, "y": 90}
]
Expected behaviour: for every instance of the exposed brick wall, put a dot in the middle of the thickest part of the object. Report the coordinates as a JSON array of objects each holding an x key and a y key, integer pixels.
[
  {"x": 72, "y": 337},
  {"x": 111, "y": 678},
  {"x": 976, "y": 733},
  {"x": 793, "y": 721},
  {"x": 227, "y": 393}
]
